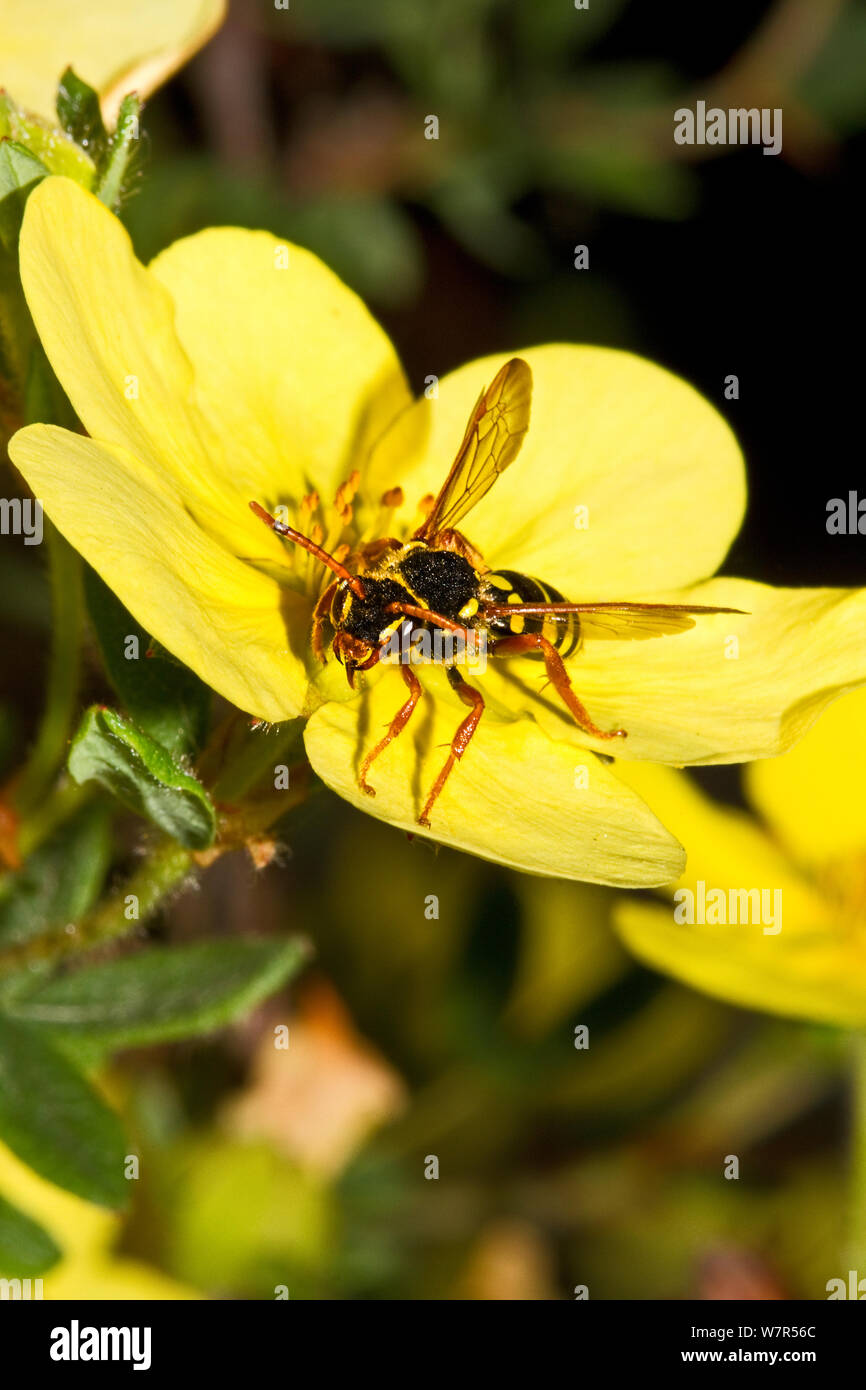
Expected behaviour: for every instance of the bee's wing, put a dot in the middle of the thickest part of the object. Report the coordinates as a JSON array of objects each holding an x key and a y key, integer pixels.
[
  {"x": 492, "y": 441},
  {"x": 622, "y": 621}
]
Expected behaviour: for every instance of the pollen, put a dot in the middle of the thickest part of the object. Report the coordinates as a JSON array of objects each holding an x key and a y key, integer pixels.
[{"x": 329, "y": 525}]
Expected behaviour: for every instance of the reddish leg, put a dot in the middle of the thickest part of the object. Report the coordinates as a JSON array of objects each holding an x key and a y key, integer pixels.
[
  {"x": 558, "y": 677},
  {"x": 397, "y": 725},
  {"x": 426, "y": 615},
  {"x": 320, "y": 613},
  {"x": 460, "y": 741}
]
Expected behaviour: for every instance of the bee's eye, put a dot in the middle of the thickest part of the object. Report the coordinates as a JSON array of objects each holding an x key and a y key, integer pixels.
[{"x": 340, "y": 604}]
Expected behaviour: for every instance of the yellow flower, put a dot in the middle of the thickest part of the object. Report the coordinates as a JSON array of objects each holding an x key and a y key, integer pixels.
[
  {"x": 117, "y": 46},
  {"x": 88, "y": 1268},
  {"x": 806, "y": 955},
  {"x": 237, "y": 368}
]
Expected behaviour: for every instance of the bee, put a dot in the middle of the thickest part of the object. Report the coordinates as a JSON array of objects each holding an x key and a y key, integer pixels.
[{"x": 437, "y": 580}]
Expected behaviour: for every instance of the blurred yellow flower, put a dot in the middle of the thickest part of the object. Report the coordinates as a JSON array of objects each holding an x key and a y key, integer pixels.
[
  {"x": 86, "y": 1234},
  {"x": 807, "y": 844},
  {"x": 117, "y": 46},
  {"x": 236, "y": 367}
]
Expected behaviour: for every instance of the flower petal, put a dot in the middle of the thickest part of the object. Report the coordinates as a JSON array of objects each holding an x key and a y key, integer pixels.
[
  {"x": 814, "y": 797},
  {"x": 656, "y": 467},
  {"x": 301, "y": 377},
  {"x": 117, "y": 48},
  {"x": 226, "y": 620},
  {"x": 812, "y": 976},
  {"x": 730, "y": 689},
  {"x": 811, "y": 968},
  {"x": 725, "y": 847},
  {"x": 515, "y": 798},
  {"x": 206, "y": 389},
  {"x": 108, "y": 329}
]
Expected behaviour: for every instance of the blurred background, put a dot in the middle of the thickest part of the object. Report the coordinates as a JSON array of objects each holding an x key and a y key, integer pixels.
[{"x": 417, "y": 1039}]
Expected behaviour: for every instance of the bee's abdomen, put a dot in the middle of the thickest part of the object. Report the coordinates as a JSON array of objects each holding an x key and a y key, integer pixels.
[{"x": 509, "y": 586}]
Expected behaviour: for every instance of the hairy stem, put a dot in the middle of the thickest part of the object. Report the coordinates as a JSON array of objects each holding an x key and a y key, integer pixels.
[{"x": 122, "y": 912}]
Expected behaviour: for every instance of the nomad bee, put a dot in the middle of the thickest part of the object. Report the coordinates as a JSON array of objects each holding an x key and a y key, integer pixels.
[{"x": 437, "y": 583}]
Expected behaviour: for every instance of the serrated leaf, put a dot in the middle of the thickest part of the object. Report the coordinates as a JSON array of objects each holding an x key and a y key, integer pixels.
[
  {"x": 119, "y": 153},
  {"x": 51, "y": 1117},
  {"x": 163, "y": 993},
  {"x": 80, "y": 114},
  {"x": 25, "y": 1249},
  {"x": 164, "y": 698},
  {"x": 60, "y": 881},
  {"x": 142, "y": 775}
]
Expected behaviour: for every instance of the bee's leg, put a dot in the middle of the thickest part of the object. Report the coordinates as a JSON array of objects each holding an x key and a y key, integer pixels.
[
  {"x": 397, "y": 725},
  {"x": 460, "y": 742},
  {"x": 426, "y": 615},
  {"x": 320, "y": 613},
  {"x": 558, "y": 677}
]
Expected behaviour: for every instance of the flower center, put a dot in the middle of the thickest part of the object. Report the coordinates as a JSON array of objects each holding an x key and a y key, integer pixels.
[{"x": 334, "y": 527}]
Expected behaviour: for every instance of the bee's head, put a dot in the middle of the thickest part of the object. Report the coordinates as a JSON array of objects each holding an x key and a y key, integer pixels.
[{"x": 354, "y": 654}]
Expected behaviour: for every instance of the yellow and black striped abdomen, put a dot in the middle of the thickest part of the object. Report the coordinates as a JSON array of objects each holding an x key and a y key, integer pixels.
[{"x": 509, "y": 586}]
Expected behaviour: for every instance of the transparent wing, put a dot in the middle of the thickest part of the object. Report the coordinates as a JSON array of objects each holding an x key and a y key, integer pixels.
[
  {"x": 621, "y": 621},
  {"x": 492, "y": 441}
]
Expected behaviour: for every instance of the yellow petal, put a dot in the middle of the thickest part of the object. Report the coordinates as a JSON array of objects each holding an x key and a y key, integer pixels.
[
  {"x": 654, "y": 465},
  {"x": 813, "y": 797},
  {"x": 108, "y": 1277},
  {"x": 811, "y": 968},
  {"x": 116, "y": 47},
  {"x": 300, "y": 376},
  {"x": 813, "y": 976},
  {"x": 725, "y": 847},
  {"x": 222, "y": 617},
  {"x": 239, "y": 379},
  {"x": 730, "y": 689},
  {"x": 84, "y": 1233},
  {"x": 517, "y": 797},
  {"x": 108, "y": 329}
]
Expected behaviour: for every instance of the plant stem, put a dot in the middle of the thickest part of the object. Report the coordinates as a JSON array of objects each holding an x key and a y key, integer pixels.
[
  {"x": 857, "y": 1189},
  {"x": 164, "y": 870},
  {"x": 61, "y": 694}
]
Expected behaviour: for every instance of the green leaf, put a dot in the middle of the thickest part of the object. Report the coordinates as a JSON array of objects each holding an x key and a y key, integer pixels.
[
  {"x": 165, "y": 699},
  {"x": 45, "y": 141},
  {"x": 25, "y": 1249},
  {"x": 143, "y": 776},
  {"x": 162, "y": 993},
  {"x": 80, "y": 116},
  {"x": 60, "y": 880},
  {"x": 119, "y": 153},
  {"x": 51, "y": 1117},
  {"x": 20, "y": 172}
]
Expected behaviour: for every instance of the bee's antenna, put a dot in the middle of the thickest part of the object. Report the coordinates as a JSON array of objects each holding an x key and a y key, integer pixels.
[{"x": 333, "y": 565}]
